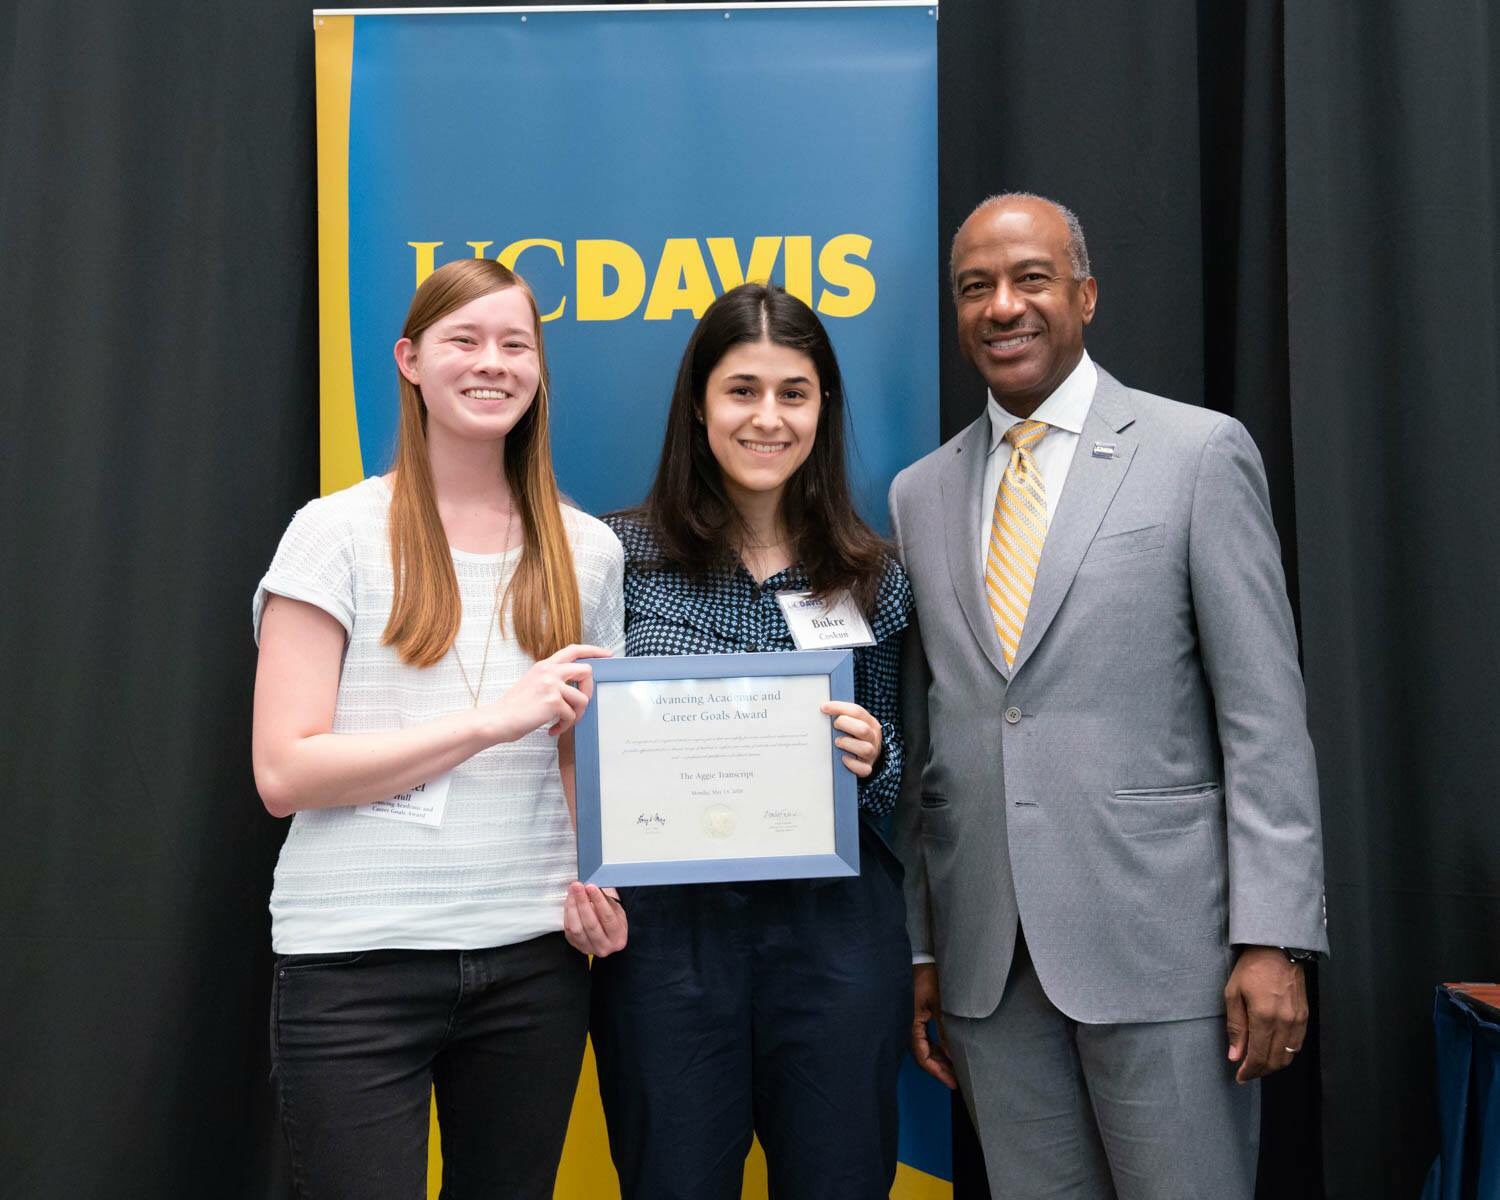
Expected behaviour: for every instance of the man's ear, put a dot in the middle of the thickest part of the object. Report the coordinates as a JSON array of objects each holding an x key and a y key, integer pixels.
[
  {"x": 406, "y": 361},
  {"x": 1090, "y": 289}
]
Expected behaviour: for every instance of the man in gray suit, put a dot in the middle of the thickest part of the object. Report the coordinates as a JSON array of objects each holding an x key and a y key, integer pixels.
[{"x": 1109, "y": 816}]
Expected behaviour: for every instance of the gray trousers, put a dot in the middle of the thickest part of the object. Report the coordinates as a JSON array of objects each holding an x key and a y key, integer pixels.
[{"x": 1103, "y": 1112}]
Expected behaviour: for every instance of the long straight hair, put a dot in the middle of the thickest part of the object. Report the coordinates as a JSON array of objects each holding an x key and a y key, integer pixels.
[
  {"x": 688, "y": 510},
  {"x": 542, "y": 596}
]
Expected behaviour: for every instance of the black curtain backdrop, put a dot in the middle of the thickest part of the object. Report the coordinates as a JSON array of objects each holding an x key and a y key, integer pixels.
[
  {"x": 1292, "y": 211},
  {"x": 1393, "y": 216}
]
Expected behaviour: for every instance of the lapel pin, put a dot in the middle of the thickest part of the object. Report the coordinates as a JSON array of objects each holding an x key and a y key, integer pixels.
[{"x": 1103, "y": 450}]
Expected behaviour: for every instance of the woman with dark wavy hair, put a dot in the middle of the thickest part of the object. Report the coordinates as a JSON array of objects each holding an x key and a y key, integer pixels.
[{"x": 778, "y": 1008}]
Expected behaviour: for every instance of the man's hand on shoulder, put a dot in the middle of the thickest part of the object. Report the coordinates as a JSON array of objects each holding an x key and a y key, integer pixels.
[
  {"x": 927, "y": 1006},
  {"x": 1265, "y": 1011}
]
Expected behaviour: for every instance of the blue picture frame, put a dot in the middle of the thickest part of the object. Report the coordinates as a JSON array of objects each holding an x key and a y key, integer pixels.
[{"x": 837, "y": 665}]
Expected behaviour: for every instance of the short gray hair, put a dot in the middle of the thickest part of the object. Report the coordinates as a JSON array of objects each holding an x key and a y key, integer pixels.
[{"x": 1078, "y": 250}]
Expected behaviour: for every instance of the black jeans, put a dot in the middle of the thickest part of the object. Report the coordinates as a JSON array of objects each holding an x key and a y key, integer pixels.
[
  {"x": 359, "y": 1040},
  {"x": 780, "y": 1007}
]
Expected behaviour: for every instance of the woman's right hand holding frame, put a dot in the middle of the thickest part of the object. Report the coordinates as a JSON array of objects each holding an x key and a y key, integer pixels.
[
  {"x": 553, "y": 693},
  {"x": 301, "y": 763}
]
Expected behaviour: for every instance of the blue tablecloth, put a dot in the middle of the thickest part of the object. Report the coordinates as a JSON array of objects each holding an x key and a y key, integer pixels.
[{"x": 1468, "y": 1077}]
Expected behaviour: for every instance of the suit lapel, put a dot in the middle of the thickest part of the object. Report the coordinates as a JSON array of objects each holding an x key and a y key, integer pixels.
[
  {"x": 1090, "y": 487},
  {"x": 962, "y": 482}
]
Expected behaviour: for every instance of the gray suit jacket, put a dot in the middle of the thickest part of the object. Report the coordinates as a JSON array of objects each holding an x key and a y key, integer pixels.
[{"x": 1140, "y": 788}]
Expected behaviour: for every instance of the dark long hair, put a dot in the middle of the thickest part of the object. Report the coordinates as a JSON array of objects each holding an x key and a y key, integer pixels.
[{"x": 692, "y": 518}]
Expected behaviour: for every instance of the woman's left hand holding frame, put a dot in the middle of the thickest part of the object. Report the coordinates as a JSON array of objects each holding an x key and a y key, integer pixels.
[
  {"x": 594, "y": 920},
  {"x": 862, "y": 735}
]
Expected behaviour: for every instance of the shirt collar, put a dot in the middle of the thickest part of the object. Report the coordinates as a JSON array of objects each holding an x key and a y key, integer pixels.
[{"x": 1067, "y": 407}]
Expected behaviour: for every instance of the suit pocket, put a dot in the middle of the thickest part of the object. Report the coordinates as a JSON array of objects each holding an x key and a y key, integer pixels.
[
  {"x": 1185, "y": 791},
  {"x": 310, "y": 962},
  {"x": 1164, "y": 812},
  {"x": 937, "y": 819},
  {"x": 1131, "y": 541},
  {"x": 930, "y": 800}
]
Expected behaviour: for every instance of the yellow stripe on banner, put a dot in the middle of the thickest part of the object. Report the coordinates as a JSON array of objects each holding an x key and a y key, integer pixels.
[
  {"x": 912, "y": 1184},
  {"x": 339, "y": 457},
  {"x": 586, "y": 1170},
  {"x": 588, "y": 1174}
]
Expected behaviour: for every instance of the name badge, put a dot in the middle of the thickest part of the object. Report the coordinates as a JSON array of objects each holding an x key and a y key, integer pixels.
[
  {"x": 422, "y": 805},
  {"x": 823, "y": 624}
]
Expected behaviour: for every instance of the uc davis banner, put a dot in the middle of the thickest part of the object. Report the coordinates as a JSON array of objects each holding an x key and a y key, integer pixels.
[{"x": 632, "y": 163}]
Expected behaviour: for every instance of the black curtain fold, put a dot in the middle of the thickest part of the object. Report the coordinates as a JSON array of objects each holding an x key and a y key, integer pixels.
[
  {"x": 156, "y": 225},
  {"x": 1292, "y": 211},
  {"x": 1393, "y": 120},
  {"x": 1242, "y": 189}
]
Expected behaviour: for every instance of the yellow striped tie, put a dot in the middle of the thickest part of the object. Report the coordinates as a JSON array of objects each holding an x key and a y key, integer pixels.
[{"x": 1017, "y": 531}]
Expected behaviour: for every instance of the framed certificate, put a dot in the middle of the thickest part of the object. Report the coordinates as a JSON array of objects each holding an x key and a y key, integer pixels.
[{"x": 700, "y": 768}]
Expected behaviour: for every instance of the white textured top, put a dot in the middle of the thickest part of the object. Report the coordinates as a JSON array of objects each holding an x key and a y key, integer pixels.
[{"x": 495, "y": 871}]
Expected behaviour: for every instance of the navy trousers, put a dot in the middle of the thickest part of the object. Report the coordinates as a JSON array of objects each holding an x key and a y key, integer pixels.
[{"x": 779, "y": 1008}]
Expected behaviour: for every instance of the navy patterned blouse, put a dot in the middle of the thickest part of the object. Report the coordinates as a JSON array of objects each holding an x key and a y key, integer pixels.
[{"x": 728, "y": 612}]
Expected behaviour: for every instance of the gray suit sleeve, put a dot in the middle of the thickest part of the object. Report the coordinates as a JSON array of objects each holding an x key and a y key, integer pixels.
[
  {"x": 1249, "y": 652},
  {"x": 907, "y": 832}
]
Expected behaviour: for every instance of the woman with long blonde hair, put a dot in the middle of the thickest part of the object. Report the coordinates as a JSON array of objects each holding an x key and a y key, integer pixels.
[{"x": 424, "y": 638}]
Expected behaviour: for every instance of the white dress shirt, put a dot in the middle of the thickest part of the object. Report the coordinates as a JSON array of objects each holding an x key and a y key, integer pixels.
[{"x": 1065, "y": 411}]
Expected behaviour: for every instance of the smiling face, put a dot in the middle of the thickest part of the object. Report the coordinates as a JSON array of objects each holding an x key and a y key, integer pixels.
[
  {"x": 760, "y": 411},
  {"x": 477, "y": 367},
  {"x": 1020, "y": 311}
]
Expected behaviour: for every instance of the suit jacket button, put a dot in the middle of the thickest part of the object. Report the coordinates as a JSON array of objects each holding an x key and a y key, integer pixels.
[{"x": 1013, "y": 714}]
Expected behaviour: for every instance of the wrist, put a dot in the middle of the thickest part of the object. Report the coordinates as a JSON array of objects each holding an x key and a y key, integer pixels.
[{"x": 490, "y": 726}]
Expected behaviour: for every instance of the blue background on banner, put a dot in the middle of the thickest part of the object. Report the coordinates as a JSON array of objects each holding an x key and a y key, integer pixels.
[
  {"x": 640, "y": 126},
  {"x": 925, "y": 1140}
]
